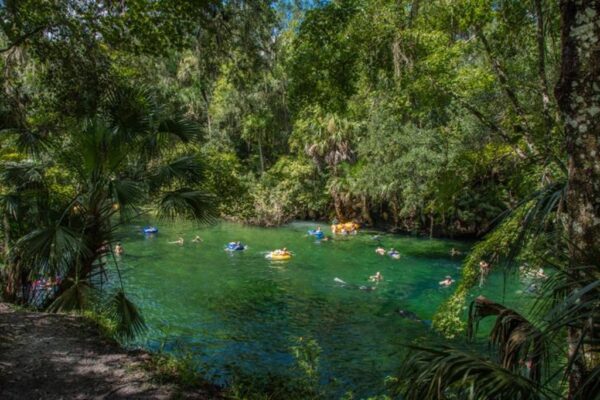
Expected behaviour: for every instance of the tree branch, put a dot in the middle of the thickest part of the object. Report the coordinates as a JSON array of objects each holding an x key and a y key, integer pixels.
[
  {"x": 491, "y": 125},
  {"x": 23, "y": 38},
  {"x": 500, "y": 74},
  {"x": 508, "y": 90},
  {"x": 541, "y": 44}
]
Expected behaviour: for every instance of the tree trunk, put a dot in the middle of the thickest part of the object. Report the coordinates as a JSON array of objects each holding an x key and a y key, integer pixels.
[
  {"x": 260, "y": 153},
  {"x": 395, "y": 211},
  {"x": 10, "y": 271},
  {"x": 431, "y": 224},
  {"x": 338, "y": 208},
  {"x": 509, "y": 91},
  {"x": 208, "y": 124},
  {"x": 6, "y": 223},
  {"x": 541, "y": 44},
  {"x": 414, "y": 12},
  {"x": 208, "y": 119},
  {"x": 366, "y": 215},
  {"x": 578, "y": 96},
  {"x": 12, "y": 275}
]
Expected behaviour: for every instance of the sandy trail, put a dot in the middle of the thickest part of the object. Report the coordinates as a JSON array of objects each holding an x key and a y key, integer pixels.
[{"x": 54, "y": 356}]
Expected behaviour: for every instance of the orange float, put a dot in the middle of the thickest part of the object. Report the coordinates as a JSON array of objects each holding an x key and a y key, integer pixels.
[{"x": 347, "y": 227}]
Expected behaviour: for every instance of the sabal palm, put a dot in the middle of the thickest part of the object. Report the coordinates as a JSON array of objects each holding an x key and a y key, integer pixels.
[
  {"x": 127, "y": 160},
  {"x": 329, "y": 141}
]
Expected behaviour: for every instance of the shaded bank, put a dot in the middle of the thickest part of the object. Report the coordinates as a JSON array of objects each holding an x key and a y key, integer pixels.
[{"x": 56, "y": 356}]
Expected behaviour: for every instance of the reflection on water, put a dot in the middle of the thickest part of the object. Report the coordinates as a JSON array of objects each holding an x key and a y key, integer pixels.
[{"x": 239, "y": 310}]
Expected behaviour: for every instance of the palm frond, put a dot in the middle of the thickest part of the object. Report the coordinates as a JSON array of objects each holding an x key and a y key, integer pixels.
[
  {"x": 579, "y": 309},
  {"x": 184, "y": 130},
  {"x": 445, "y": 372},
  {"x": 515, "y": 337},
  {"x": 76, "y": 297},
  {"x": 186, "y": 202},
  {"x": 27, "y": 141},
  {"x": 126, "y": 194},
  {"x": 553, "y": 290},
  {"x": 52, "y": 249},
  {"x": 128, "y": 111},
  {"x": 95, "y": 150},
  {"x": 128, "y": 318},
  {"x": 159, "y": 140},
  {"x": 186, "y": 169},
  {"x": 540, "y": 208},
  {"x": 11, "y": 204},
  {"x": 23, "y": 175},
  {"x": 571, "y": 299}
]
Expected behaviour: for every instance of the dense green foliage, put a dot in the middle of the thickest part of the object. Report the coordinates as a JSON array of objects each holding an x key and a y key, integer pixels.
[
  {"x": 421, "y": 116},
  {"x": 418, "y": 116}
]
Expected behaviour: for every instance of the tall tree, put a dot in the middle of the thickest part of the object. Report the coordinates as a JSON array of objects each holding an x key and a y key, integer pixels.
[{"x": 578, "y": 95}]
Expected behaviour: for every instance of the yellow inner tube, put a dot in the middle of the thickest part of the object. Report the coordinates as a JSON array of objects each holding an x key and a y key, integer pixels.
[{"x": 279, "y": 257}]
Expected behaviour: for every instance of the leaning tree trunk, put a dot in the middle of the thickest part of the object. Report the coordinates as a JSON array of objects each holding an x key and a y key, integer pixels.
[
  {"x": 262, "y": 159},
  {"x": 366, "y": 214},
  {"x": 337, "y": 205},
  {"x": 395, "y": 211},
  {"x": 578, "y": 96},
  {"x": 11, "y": 270}
]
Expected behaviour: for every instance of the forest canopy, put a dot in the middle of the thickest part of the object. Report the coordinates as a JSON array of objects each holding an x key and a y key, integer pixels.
[{"x": 416, "y": 116}]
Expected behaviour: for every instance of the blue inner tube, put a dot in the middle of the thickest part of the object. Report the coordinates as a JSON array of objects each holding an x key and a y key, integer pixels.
[
  {"x": 317, "y": 234},
  {"x": 151, "y": 229},
  {"x": 235, "y": 247}
]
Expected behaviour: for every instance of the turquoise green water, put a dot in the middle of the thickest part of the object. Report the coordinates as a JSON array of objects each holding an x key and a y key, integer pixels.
[{"x": 239, "y": 311}]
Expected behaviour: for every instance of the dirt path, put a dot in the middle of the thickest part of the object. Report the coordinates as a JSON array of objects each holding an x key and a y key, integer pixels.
[{"x": 53, "y": 356}]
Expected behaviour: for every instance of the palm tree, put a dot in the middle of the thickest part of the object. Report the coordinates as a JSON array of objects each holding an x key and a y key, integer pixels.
[
  {"x": 561, "y": 336},
  {"x": 327, "y": 140},
  {"x": 330, "y": 141},
  {"x": 131, "y": 158}
]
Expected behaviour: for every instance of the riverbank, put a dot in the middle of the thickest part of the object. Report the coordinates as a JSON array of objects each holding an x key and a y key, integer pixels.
[
  {"x": 377, "y": 226},
  {"x": 57, "y": 356}
]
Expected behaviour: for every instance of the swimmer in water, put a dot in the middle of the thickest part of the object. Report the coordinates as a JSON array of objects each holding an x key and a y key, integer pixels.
[
  {"x": 394, "y": 253},
  {"x": 484, "y": 270},
  {"x": 454, "y": 252},
  {"x": 282, "y": 252},
  {"x": 380, "y": 251},
  {"x": 352, "y": 286},
  {"x": 119, "y": 249},
  {"x": 179, "y": 241},
  {"x": 532, "y": 288},
  {"x": 409, "y": 315},
  {"x": 447, "y": 282},
  {"x": 377, "y": 277},
  {"x": 484, "y": 267},
  {"x": 540, "y": 274},
  {"x": 367, "y": 288}
]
